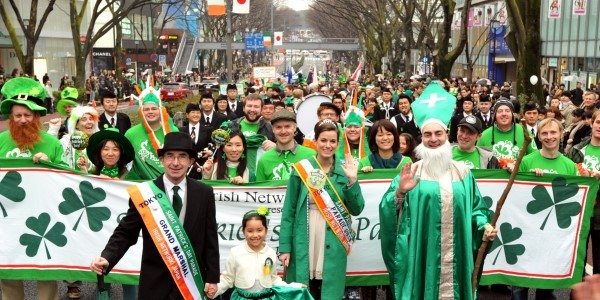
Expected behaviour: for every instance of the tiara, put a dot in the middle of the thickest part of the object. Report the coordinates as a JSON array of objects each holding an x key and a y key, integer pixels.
[{"x": 326, "y": 121}]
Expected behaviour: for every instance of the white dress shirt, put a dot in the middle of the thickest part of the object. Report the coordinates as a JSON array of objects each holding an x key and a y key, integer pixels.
[{"x": 182, "y": 193}]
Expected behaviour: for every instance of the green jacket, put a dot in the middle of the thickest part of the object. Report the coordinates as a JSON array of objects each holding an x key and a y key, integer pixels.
[{"x": 293, "y": 237}]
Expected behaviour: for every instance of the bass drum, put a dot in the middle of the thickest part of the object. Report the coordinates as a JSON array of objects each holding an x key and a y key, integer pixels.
[{"x": 306, "y": 113}]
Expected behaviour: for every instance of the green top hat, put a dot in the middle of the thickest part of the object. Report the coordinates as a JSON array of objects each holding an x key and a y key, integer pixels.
[
  {"x": 23, "y": 91},
  {"x": 68, "y": 97},
  {"x": 113, "y": 134}
]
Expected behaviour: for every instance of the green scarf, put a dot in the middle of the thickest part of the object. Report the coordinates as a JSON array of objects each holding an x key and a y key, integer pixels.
[{"x": 110, "y": 172}]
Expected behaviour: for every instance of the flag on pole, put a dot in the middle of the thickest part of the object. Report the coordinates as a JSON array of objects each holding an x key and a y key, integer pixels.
[
  {"x": 278, "y": 37},
  {"x": 216, "y": 7},
  {"x": 241, "y": 7},
  {"x": 356, "y": 75},
  {"x": 267, "y": 40},
  {"x": 289, "y": 75}
]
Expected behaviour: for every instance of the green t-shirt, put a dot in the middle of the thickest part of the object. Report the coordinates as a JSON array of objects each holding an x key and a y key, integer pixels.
[
  {"x": 248, "y": 129},
  {"x": 276, "y": 165},
  {"x": 48, "y": 145},
  {"x": 502, "y": 143},
  {"x": 471, "y": 159},
  {"x": 559, "y": 165},
  {"x": 591, "y": 158}
]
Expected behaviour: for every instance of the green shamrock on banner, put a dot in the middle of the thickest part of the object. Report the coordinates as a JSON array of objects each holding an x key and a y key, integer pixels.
[
  {"x": 9, "y": 189},
  {"x": 561, "y": 191},
  {"x": 89, "y": 197},
  {"x": 488, "y": 202},
  {"x": 504, "y": 240},
  {"x": 40, "y": 225}
]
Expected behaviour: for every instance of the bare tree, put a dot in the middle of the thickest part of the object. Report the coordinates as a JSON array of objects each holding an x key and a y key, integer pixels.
[
  {"x": 444, "y": 58},
  {"x": 78, "y": 10},
  {"x": 31, "y": 30},
  {"x": 524, "y": 41}
]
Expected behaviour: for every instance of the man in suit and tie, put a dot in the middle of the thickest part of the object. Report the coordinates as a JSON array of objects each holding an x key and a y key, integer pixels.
[
  {"x": 172, "y": 194},
  {"x": 199, "y": 138},
  {"x": 111, "y": 118},
  {"x": 236, "y": 106},
  {"x": 485, "y": 115},
  {"x": 404, "y": 121},
  {"x": 530, "y": 114},
  {"x": 386, "y": 109}
]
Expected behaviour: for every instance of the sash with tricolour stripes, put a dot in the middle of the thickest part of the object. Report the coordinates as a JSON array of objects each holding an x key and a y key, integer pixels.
[
  {"x": 332, "y": 209},
  {"x": 169, "y": 237}
]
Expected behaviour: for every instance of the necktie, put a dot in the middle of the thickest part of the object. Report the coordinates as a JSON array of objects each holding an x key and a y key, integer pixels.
[
  {"x": 207, "y": 120},
  {"x": 387, "y": 112},
  {"x": 532, "y": 131},
  {"x": 112, "y": 121},
  {"x": 233, "y": 107},
  {"x": 406, "y": 118},
  {"x": 177, "y": 201},
  {"x": 193, "y": 135},
  {"x": 485, "y": 118}
]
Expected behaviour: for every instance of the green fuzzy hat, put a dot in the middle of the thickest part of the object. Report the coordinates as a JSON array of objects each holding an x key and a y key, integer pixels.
[
  {"x": 68, "y": 97},
  {"x": 23, "y": 91},
  {"x": 354, "y": 117}
]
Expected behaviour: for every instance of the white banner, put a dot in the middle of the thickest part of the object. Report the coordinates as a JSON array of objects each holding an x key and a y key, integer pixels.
[
  {"x": 56, "y": 221},
  {"x": 264, "y": 72}
]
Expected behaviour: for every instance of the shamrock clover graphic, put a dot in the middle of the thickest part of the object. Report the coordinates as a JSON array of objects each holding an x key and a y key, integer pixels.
[
  {"x": 40, "y": 225},
  {"x": 506, "y": 236},
  {"x": 561, "y": 191},
  {"x": 89, "y": 196},
  {"x": 488, "y": 202},
  {"x": 9, "y": 188}
]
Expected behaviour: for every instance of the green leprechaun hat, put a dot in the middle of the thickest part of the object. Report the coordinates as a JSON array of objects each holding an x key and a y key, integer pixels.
[
  {"x": 434, "y": 105},
  {"x": 23, "y": 91},
  {"x": 68, "y": 97}
]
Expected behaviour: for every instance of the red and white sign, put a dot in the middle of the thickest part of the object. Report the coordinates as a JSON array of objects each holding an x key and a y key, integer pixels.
[
  {"x": 241, "y": 7},
  {"x": 278, "y": 37}
]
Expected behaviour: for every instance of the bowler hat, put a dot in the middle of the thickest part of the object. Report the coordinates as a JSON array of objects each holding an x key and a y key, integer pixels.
[{"x": 177, "y": 141}]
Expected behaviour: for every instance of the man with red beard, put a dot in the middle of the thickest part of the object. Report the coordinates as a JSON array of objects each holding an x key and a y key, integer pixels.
[
  {"x": 257, "y": 131},
  {"x": 24, "y": 105}
]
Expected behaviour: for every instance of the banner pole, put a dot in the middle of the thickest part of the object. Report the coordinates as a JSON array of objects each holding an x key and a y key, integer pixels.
[{"x": 482, "y": 252}]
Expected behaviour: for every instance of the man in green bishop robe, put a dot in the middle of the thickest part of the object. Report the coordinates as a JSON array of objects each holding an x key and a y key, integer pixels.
[
  {"x": 148, "y": 136},
  {"x": 433, "y": 217}
]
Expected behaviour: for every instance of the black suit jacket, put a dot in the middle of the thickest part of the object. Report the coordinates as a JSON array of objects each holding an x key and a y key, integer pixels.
[
  {"x": 123, "y": 122},
  {"x": 379, "y": 113},
  {"x": 200, "y": 225},
  {"x": 485, "y": 125},
  {"x": 239, "y": 108},
  {"x": 408, "y": 127}
]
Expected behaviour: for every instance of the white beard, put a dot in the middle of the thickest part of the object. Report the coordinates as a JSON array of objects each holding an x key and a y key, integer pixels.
[{"x": 435, "y": 162}]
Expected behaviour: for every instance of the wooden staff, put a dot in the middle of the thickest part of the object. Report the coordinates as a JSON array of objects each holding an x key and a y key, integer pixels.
[{"x": 482, "y": 252}]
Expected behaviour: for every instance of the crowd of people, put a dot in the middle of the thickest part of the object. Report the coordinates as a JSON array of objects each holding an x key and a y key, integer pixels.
[{"x": 253, "y": 135}]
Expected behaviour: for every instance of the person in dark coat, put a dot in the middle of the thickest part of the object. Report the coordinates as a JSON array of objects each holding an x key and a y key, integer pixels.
[{"x": 196, "y": 210}]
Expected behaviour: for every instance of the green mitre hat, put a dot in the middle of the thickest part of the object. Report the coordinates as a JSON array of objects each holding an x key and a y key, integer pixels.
[
  {"x": 151, "y": 98},
  {"x": 68, "y": 97},
  {"x": 435, "y": 105},
  {"x": 23, "y": 91}
]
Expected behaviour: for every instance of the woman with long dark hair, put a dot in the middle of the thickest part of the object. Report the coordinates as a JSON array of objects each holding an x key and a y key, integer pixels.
[
  {"x": 230, "y": 162},
  {"x": 384, "y": 144}
]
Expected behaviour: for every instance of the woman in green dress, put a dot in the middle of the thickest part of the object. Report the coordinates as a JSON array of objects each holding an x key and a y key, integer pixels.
[
  {"x": 230, "y": 162},
  {"x": 384, "y": 144},
  {"x": 316, "y": 233}
]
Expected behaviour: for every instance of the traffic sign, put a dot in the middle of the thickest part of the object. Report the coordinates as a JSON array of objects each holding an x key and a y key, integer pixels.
[
  {"x": 162, "y": 60},
  {"x": 154, "y": 57},
  {"x": 128, "y": 61},
  {"x": 254, "y": 41}
]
